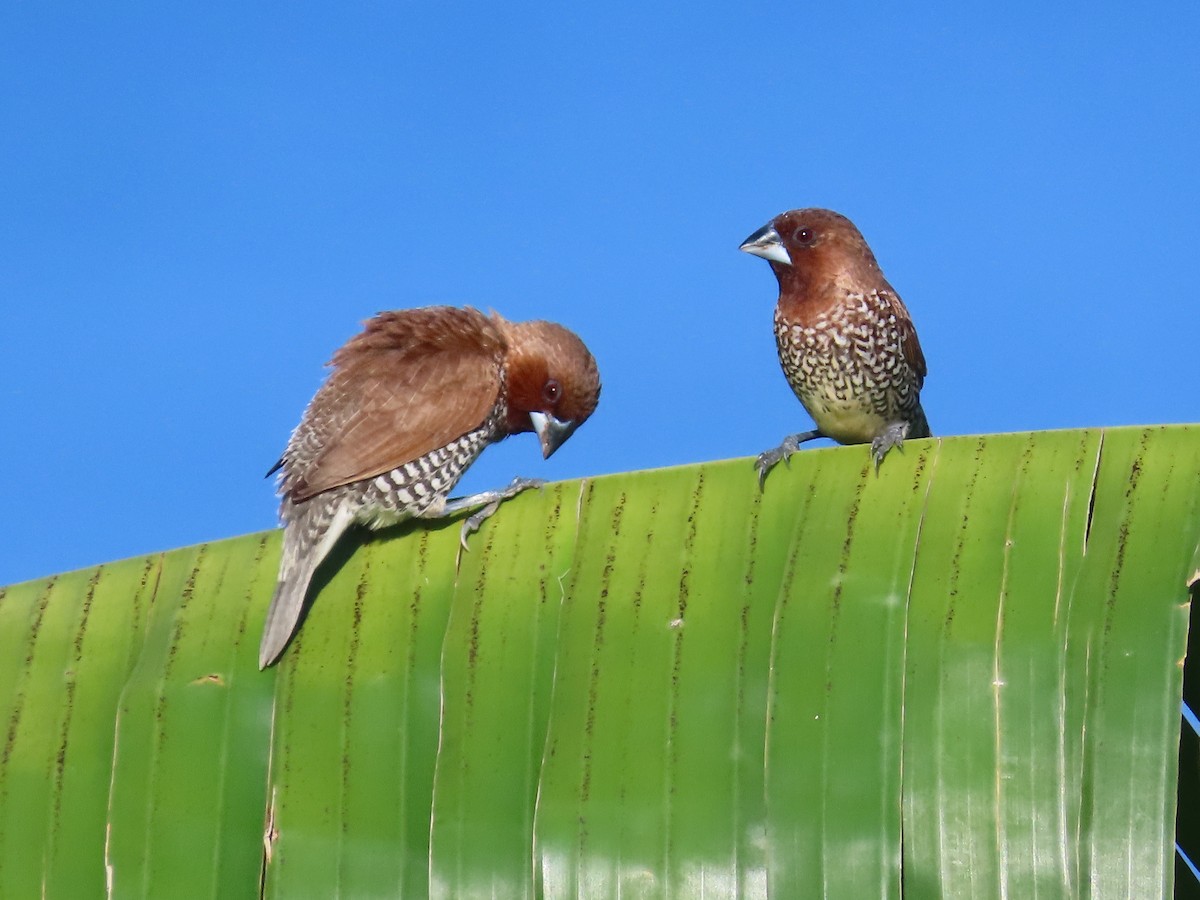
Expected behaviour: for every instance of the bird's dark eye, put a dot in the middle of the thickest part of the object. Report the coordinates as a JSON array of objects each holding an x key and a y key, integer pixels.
[
  {"x": 803, "y": 235},
  {"x": 551, "y": 391}
]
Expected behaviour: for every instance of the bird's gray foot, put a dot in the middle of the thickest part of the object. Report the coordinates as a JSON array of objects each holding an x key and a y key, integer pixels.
[
  {"x": 769, "y": 458},
  {"x": 486, "y": 504},
  {"x": 891, "y": 436}
]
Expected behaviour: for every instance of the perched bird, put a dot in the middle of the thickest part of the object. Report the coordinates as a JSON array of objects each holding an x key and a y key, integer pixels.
[
  {"x": 411, "y": 402},
  {"x": 846, "y": 342}
]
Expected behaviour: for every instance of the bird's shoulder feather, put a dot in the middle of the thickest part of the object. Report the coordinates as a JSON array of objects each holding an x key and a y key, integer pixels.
[
  {"x": 412, "y": 381},
  {"x": 908, "y": 333}
]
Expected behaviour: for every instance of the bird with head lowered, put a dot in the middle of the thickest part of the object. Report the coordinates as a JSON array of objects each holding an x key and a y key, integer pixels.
[{"x": 413, "y": 399}]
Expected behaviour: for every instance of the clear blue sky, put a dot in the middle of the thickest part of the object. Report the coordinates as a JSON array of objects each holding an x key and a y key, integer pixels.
[{"x": 200, "y": 202}]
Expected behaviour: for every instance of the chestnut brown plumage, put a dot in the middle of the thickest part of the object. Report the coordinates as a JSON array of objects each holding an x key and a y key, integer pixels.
[
  {"x": 411, "y": 402},
  {"x": 846, "y": 342}
]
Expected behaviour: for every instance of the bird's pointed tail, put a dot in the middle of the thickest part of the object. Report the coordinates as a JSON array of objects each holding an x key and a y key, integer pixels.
[
  {"x": 283, "y": 615},
  {"x": 919, "y": 427},
  {"x": 307, "y": 540}
]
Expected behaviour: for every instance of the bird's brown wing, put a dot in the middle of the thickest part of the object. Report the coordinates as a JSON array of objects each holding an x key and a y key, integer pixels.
[
  {"x": 413, "y": 381},
  {"x": 908, "y": 335}
]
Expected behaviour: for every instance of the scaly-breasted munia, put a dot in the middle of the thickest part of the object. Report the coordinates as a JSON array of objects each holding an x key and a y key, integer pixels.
[
  {"x": 412, "y": 401},
  {"x": 846, "y": 342}
]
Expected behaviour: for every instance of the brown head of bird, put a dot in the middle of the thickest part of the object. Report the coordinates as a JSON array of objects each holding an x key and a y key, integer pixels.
[
  {"x": 552, "y": 383},
  {"x": 818, "y": 257}
]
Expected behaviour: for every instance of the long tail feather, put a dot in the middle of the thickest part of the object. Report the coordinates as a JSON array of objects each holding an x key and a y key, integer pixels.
[
  {"x": 307, "y": 540},
  {"x": 283, "y": 615},
  {"x": 920, "y": 425}
]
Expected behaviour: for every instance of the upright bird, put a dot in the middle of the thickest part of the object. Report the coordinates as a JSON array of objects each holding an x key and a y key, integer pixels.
[
  {"x": 412, "y": 401},
  {"x": 846, "y": 342}
]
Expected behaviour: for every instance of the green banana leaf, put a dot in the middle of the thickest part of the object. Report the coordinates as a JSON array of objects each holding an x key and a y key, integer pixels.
[{"x": 958, "y": 678}]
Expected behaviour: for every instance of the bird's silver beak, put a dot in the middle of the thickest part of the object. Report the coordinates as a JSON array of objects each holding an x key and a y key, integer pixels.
[
  {"x": 551, "y": 432},
  {"x": 767, "y": 243}
]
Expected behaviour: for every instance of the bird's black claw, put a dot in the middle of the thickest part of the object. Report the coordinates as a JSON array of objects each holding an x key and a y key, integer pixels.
[
  {"x": 472, "y": 523},
  {"x": 891, "y": 436},
  {"x": 768, "y": 459},
  {"x": 519, "y": 484},
  {"x": 765, "y": 462}
]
